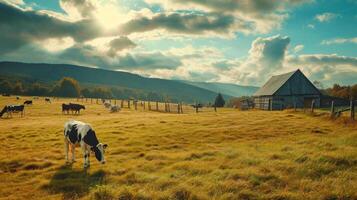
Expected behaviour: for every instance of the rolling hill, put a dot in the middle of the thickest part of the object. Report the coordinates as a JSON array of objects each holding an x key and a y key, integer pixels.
[
  {"x": 226, "y": 88},
  {"x": 51, "y": 73}
]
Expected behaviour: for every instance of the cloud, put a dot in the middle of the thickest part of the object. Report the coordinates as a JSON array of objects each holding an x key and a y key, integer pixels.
[
  {"x": 298, "y": 48},
  {"x": 311, "y": 26},
  {"x": 183, "y": 23},
  {"x": 261, "y": 15},
  {"x": 120, "y": 44},
  {"x": 19, "y": 27},
  {"x": 340, "y": 41},
  {"x": 326, "y": 17}
]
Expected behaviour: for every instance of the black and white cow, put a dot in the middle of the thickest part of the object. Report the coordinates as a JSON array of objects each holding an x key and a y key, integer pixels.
[{"x": 76, "y": 132}]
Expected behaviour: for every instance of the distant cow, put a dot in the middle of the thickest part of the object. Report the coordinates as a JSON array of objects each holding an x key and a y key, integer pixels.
[
  {"x": 107, "y": 105},
  {"x": 13, "y": 109},
  {"x": 114, "y": 109},
  {"x": 48, "y": 100},
  {"x": 197, "y": 105},
  {"x": 76, "y": 132},
  {"x": 66, "y": 108},
  {"x": 28, "y": 102},
  {"x": 17, "y": 98},
  {"x": 76, "y": 108}
]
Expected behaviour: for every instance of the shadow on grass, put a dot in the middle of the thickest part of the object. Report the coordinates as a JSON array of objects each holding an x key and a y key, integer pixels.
[{"x": 73, "y": 183}]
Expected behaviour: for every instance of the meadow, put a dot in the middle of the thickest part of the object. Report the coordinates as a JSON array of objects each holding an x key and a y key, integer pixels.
[{"x": 229, "y": 154}]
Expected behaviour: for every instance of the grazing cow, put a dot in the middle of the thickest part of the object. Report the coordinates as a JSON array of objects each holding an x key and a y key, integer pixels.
[
  {"x": 114, "y": 109},
  {"x": 76, "y": 108},
  {"x": 28, "y": 102},
  {"x": 76, "y": 132},
  {"x": 197, "y": 105},
  {"x": 66, "y": 108},
  {"x": 13, "y": 109},
  {"x": 107, "y": 105},
  {"x": 48, "y": 100}
]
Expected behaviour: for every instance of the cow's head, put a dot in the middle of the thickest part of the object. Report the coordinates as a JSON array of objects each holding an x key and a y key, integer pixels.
[
  {"x": 99, "y": 151},
  {"x": 83, "y": 107}
]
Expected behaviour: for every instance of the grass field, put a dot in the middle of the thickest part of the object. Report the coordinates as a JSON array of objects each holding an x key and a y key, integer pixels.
[{"x": 230, "y": 154}]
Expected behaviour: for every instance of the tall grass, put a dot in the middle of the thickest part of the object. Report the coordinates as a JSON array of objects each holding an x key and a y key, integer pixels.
[{"x": 225, "y": 155}]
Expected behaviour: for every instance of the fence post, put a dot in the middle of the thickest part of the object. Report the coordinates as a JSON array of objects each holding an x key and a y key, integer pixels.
[
  {"x": 157, "y": 106},
  {"x": 144, "y": 105},
  {"x": 294, "y": 105},
  {"x": 168, "y": 107},
  {"x": 352, "y": 109},
  {"x": 312, "y": 106},
  {"x": 215, "y": 108},
  {"x": 121, "y": 103},
  {"x": 332, "y": 109},
  {"x": 129, "y": 103},
  {"x": 196, "y": 108},
  {"x": 181, "y": 108},
  {"x": 135, "y": 104},
  {"x": 149, "y": 105}
]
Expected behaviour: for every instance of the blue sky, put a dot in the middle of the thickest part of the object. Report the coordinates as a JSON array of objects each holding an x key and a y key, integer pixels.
[{"x": 243, "y": 42}]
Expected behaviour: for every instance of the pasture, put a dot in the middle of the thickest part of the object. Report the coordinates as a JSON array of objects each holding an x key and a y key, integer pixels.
[{"x": 230, "y": 154}]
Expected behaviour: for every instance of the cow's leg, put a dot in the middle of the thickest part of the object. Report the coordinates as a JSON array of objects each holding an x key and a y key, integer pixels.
[
  {"x": 86, "y": 155},
  {"x": 66, "y": 148},
  {"x": 73, "y": 146}
]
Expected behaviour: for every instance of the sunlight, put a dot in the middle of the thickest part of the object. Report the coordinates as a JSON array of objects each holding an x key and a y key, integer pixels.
[{"x": 57, "y": 44}]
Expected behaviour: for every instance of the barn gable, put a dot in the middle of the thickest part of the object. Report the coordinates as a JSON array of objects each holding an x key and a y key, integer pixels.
[
  {"x": 273, "y": 84},
  {"x": 292, "y": 83},
  {"x": 297, "y": 84}
]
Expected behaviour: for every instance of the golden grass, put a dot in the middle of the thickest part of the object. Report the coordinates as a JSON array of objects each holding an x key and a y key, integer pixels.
[{"x": 225, "y": 155}]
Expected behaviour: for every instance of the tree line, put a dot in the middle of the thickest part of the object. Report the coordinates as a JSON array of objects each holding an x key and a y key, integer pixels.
[{"x": 69, "y": 87}]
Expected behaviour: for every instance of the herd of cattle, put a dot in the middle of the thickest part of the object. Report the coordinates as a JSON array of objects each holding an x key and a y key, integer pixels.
[{"x": 66, "y": 108}]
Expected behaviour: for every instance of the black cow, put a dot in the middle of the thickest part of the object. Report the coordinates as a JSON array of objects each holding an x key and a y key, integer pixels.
[
  {"x": 13, "y": 109},
  {"x": 48, "y": 100},
  {"x": 28, "y": 102},
  {"x": 76, "y": 108},
  {"x": 66, "y": 108}
]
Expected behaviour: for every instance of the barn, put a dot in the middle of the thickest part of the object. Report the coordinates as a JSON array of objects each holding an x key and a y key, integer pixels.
[{"x": 288, "y": 90}]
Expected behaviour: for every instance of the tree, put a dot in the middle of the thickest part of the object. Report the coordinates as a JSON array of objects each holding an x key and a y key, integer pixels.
[
  {"x": 5, "y": 87},
  {"x": 219, "y": 102},
  {"x": 100, "y": 92},
  {"x": 37, "y": 89},
  {"x": 67, "y": 87},
  {"x": 18, "y": 89},
  {"x": 86, "y": 92}
]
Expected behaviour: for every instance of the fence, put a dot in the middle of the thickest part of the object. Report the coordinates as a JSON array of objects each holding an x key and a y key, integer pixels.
[
  {"x": 335, "y": 112},
  {"x": 166, "y": 107}
]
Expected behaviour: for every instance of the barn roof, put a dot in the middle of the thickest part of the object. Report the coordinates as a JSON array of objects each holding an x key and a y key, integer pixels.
[{"x": 274, "y": 83}]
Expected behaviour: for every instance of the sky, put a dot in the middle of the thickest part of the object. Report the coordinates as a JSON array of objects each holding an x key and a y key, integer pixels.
[{"x": 230, "y": 41}]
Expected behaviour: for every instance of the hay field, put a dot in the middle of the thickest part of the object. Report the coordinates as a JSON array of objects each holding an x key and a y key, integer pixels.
[{"x": 230, "y": 154}]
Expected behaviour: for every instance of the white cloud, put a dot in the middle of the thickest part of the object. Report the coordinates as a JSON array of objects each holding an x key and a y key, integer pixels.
[
  {"x": 56, "y": 44},
  {"x": 326, "y": 17},
  {"x": 340, "y": 41},
  {"x": 311, "y": 26},
  {"x": 298, "y": 48}
]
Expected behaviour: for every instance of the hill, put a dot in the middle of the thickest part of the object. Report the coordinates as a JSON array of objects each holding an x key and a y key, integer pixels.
[
  {"x": 226, "y": 88},
  {"x": 176, "y": 90}
]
